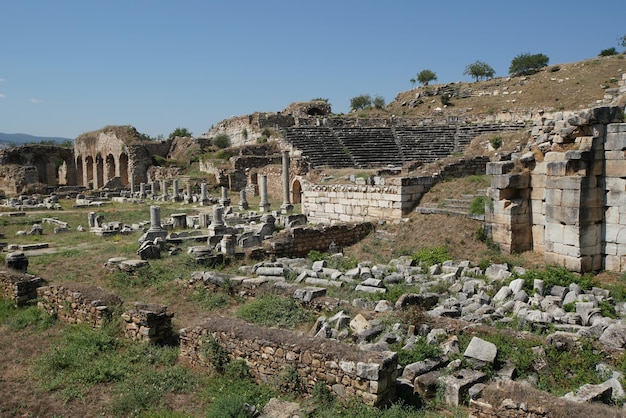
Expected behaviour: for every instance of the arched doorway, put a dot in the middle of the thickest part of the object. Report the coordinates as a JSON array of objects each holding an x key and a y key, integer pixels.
[
  {"x": 110, "y": 167},
  {"x": 296, "y": 192},
  {"x": 124, "y": 175},
  {"x": 79, "y": 171}
]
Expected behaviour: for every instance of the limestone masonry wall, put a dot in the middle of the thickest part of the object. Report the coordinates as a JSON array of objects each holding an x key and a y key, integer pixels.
[
  {"x": 387, "y": 198},
  {"x": 75, "y": 303},
  {"x": 346, "y": 371},
  {"x": 299, "y": 241},
  {"x": 19, "y": 287},
  {"x": 565, "y": 196}
]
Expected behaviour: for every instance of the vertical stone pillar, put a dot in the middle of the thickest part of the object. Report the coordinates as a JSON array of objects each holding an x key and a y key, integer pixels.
[
  {"x": 286, "y": 207},
  {"x": 164, "y": 188},
  {"x": 132, "y": 186},
  {"x": 264, "y": 204},
  {"x": 188, "y": 193},
  {"x": 153, "y": 189},
  {"x": 243, "y": 202},
  {"x": 227, "y": 244},
  {"x": 142, "y": 190},
  {"x": 175, "y": 190},
  {"x": 91, "y": 219},
  {"x": 155, "y": 217},
  {"x": 217, "y": 227},
  {"x": 225, "y": 201},
  {"x": 203, "y": 196}
]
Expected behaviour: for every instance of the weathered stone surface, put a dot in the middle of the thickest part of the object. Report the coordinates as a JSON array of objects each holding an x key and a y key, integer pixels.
[
  {"x": 458, "y": 383},
  {"x": 481, "y": 350}
]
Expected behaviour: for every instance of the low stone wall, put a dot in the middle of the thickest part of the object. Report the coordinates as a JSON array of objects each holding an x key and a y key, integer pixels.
[
  {"x": 75, "y": 303},
  {"x": 268, "y": 352},
  {"x": 148, "y": 323},
  {"x": 19, "y": 287},
  {"x": 299, "y": 241}
]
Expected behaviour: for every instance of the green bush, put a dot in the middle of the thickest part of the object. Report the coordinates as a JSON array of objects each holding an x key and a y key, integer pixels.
[
  {"x": 432, "y": 255},
  {"x": 496, "y": 141},
  {"x": 608, "y": 52},
  {"x": 221, "y": 141},
  {"x": 364, "y": 101},
  {"x": 556, "y": 276},
  {"x": 271, "y": 310},
  {"x": 478, "y": 204},
  {"x": 421, "y": 350},
  {"x": 215, "y": 354},
  {"x": 180, "y": 132}
]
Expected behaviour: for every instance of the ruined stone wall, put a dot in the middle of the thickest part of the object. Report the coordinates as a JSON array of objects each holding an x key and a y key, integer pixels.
[
  {"x": 18, "y": 287},
  {"x": 566, "y": 195},
  {"x": 299, "y": 241},
  {"x": 75, "y": 303},
  {"x": 349, "y": 373}
]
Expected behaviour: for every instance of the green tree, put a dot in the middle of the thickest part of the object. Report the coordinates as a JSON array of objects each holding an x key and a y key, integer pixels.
[
  {"x": 378, "y": 102},
  {"x": 479, "y": 70},
  {"x": 364, "y": 101},
  {"x": 413, "y": 81},
  {"x": 608, "y": 52},
  {"x": 527, "y": 63},
  {"x": 622, "y": 41},
  {"x": 426, "y": 76},
  {"x": 180, "y": 132}
]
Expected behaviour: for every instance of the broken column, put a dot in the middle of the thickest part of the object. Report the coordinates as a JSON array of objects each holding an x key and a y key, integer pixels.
[
  {"x": 225, "y": 201},
  {"x": 142, "y": 190},
  {"x": 175, "y": 190},
  {"x": 203, "y": 195},
  {"x": 153, "y": 189},
  {"x": 264, "y": 204},
  {"x": 91, "y": 219},
  {"x": 286, "y": 207},
  {"x": 156, "y": 230},
  {"x": 217, "y": 227},
  {"x": 131, "y": 185},
  {"x": 227, "y": 245},
  {"x": 164, "y": 188},
  {"x": 243, "y": 202}
]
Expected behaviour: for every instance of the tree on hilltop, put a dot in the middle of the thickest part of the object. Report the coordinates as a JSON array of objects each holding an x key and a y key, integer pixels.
[
  {"x": 180, "y": 132},
  {"x": 527, "y": 63},
  {"x": 479, "y": 70},
  {"x": 364, "y": 101},
  {"x": 426, "y": 76},
  {"x": 622, "y": 41}
]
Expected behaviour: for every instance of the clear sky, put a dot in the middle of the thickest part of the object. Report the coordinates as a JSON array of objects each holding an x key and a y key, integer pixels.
[{"x": 73, "y": 66}]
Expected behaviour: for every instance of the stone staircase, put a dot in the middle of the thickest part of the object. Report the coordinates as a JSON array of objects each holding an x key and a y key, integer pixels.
[
  {"x": 321, "y": 146},
  {"x": 459, "y": 206},
  {"x": 371, "y": 147}
]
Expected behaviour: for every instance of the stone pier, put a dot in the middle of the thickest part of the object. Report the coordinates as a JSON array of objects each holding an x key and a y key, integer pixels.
[
  {"x": 264, "y": 204},
  {"x": 286, "y": 207},
  {"x": 243, "y": 202}
]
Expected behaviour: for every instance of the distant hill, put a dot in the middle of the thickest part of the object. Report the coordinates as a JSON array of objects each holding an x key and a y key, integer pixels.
[{"x": 20, "y": 139}]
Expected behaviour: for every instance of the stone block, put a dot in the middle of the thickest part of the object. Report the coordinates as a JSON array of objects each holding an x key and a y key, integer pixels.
[
  {"x": 499, "y": 168},
  {"x": 481, "y": 350},
  {"x": 615, "y": 168},
  {"x": 457, "y": 384}
]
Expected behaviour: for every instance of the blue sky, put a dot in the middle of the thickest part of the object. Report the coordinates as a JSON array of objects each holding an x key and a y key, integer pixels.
[{"x": 73, "y": 66}]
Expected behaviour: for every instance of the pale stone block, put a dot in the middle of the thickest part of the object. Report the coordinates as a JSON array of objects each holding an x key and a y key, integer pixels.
[
  {"x": 612, "y": 263},
  {"x": 557, "y": 168},
  {"x": 610, "y": 248},
  {"x": 346, "y": 218},
  {"x": 615, "y": 142},
  {"x": 612, "y": 215},
  {"x": 540, "y": 168},
  {"x": 562, "y": 214},
  {"x": 554, "y": 232},
  {"x": 554, "y": 156},
  {"x": 615, "y": 168},
  {"x": 570, "y": 198},
  {"x": 614, "y": 155},
  {"x": 565, "y": 183},
  {"x": 614, "y": 128},
  {"x": 553, "y": 196},
  {"x": 538, "y": 193},
  {"x": 615, "y": 184},
  {"x": 499, "y": 168},
  {"x": 615, "y": 198},
  {"x": 611, "y": 232},
  {"x": 571, "y": 234}
]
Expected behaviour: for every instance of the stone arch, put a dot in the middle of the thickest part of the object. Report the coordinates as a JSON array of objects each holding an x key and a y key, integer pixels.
[
  {"x": 125, "y": 175},
  {"x": 296, "y": 192},
  {"x": 110, "y": 167}
]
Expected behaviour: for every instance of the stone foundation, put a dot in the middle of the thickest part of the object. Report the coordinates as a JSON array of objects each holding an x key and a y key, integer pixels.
[
  {"x": 299, "y": 241},
  {"x": 75, "y": 303},
  {"x": 347, "y": 371},
  {"x": 20, "y": 288},
  {"x": 148, "y": 323}
]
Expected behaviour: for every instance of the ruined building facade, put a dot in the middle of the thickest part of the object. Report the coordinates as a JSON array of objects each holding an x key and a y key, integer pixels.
[{"x": 565, "y": 196}]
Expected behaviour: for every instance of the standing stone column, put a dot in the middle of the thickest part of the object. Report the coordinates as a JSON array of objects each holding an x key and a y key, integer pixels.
[
  {"x": 225, "y": 201},
  {"x": 243, "y": 202},
  {"x": 264, "y": 204},
  {"x": 132, "y": 185},
  {"x": 175, "y": 190},
  {"x": 188, "y": 196},
  {"x": 227, "y": 245},
  {"x": 91, "y": 219},
  {"x": 155, "y": 217},
  {"x": 203, "y": 196},
  {"x": 286, "y": 207},
  {"x": 164, "y": 188},
  {"x": 153, "y": 189},
  {"x": 142, "y": 190},
  {"x": 217, "y": 226}
]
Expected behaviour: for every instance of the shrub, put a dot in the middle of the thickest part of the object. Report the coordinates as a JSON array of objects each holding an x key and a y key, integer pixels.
[
  {"x": 608, "y": 52},
  {"x": 445, "y": 99},
  {"x": 215, "y": 354},
  {"x": 221, "y": 140},
  {"x": 478, "y": 205},
  {"x": 180, "y": 132},
  {"x": 421, "y": 350},
  {"x": 432, "y": 255},
  {"x": 289, "y": 381},
  {"x": 361, "y": 102},
  {"x": 496, "y": 142},
  {"x": 556, "y": 276}
]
